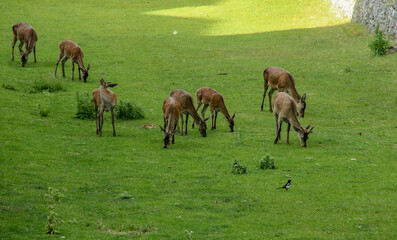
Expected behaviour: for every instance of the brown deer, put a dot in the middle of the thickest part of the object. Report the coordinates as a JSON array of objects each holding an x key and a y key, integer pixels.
[
  {"x": 171, "y": 111},
  {"x": 285, "y": 111},
  {"x": 26, "y": 35},
  {"x": 186, "y": 100},
  {"x": 69, "y": 49},
  {"x": 281, "y": 80},
  {"x": 107, "y": 101},
  {"x": 212, "y": 98}
]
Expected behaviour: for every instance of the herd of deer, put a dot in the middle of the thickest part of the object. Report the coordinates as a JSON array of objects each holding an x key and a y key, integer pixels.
[{"x": 287, "y": 104}]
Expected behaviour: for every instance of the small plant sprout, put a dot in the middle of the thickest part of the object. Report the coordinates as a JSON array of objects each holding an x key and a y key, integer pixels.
[
  {"x": 125, "y": 196},
  {"x": 379, "y": 45}
]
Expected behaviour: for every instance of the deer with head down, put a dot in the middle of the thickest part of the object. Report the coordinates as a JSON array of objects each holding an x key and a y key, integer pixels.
[
  {"x": 214, "y": 100},
  {"x": 281, "y": 80},
  {"x": 171, "y": 111},
  {"x": 186, "y": 100},
  {"x": 26, "y": 35},
  {"x": 106, "y": 100},
  {"x": 69, "y": 49},
  {"x": 285, "y": 111}
]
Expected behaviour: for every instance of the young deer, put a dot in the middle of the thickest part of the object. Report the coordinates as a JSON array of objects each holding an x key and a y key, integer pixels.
[
  {"x": 186, "y": 101},
  {"x": 106, "y": 100},
  {"x": 69, "y": 49},
  {"x": 285, "y": 111},
  {"x": 26, "y": 35},
  {"x": 213, "y": 99},
  {"x": 171, "y": 111},
  {"x": 281, "y": 80}
]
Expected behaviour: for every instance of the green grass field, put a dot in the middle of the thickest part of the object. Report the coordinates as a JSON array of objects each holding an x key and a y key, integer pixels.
[{"x": 344, "y": 183}]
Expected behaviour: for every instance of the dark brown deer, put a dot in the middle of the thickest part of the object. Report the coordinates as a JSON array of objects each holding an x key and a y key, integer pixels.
[
  {"x": 281, "y": 80},
  {"x": 26, "y": 35},
  {"x": 214, "y": 100},
  {"x": 69, "y": 49},
  {"x": 285, "y": 111},
  {"x": 186, "y": 100},
  {"x": 171, "y": 111},
  {"x": 106, "y": 100}
]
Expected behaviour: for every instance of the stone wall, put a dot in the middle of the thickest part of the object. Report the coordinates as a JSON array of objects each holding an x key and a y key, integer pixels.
[{"x": 372, "y": 12}]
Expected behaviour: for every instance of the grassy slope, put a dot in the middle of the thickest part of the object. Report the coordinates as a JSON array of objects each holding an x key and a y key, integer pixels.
[{"x": 332, "y": 197}]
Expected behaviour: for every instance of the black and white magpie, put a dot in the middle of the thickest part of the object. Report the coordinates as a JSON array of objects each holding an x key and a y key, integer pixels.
[{"x": 286, "y": 186}]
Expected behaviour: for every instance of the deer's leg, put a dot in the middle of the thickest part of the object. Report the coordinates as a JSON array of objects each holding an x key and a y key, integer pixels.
[
  {"x": 100, "y": 116},
  {"x": 182, "y": 124},
  {"x": 79, "y": 71},
  {"x": 277, "y": 132},
  {"x": 20, "y": 47},
  {"x": 288, "y": 128},
  {"x": 96, "y": 119},
  {"x": 34, "y": 53},
  {"x": 187, "y": 117},
  {"x": 212, "y": 118},
  {"x": 72, "y": 68},
  {"x": 216, "y": 116},
  {"x": 173, "y": 132},
  {"x": 114, "y": 129},
  {"x": 264, "y": 94},
  {"x": 270, "y": 99},
  {"x": 56, "y": 65},
  {"x": 63, "y": 66},
  {"x": 13, "y": 45}
]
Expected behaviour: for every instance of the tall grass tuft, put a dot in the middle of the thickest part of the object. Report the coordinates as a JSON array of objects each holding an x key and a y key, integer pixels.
[
  {"x": 379, "y": 45},
  {"x": 47, "y": 85},
  {"x": 128, "y": 110},
  {"x": 85, "y": 107}
]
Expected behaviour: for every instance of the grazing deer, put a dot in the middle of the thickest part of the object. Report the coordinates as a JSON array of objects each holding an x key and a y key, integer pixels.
[
  {"x": 285, "y": 111},
  {"x": 213, "y": 99},
  {"x": 281, "y": 80},
  {"x": 69, "y": 49},
  {"x": 106, "y": 100},
  {"x": 26, "y": 35},
  {"x": 186, "y": 100},
  {"x": 171, "y": 111}
]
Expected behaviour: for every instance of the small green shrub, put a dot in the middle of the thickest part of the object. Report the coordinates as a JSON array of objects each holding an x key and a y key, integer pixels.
[
  {"x": 47, "y": 85},
  {"x": 8, "y": 86},
  {"x": 379, "y": 45},
  {"x": 125, "y": 196},
  {"x": 129, "y": 110},
  {"x": 237, "y": 168},
  {"x": 54, "y": 196},
  {"x": 267, "y": 163},
  {"x": 85, "y": 107}
]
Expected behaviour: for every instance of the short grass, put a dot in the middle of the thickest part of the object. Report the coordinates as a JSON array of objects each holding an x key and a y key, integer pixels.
[{"x": 343, "y": 184}]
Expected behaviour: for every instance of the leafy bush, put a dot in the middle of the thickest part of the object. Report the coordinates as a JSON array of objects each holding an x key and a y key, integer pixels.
[
  {"x": 85, "y": 107},
  {"x": 129, "y": 110},
  {"x": 379, "y": 45},
  {"x": 238, "y": 168},
  {"x": 267, "y": 163},
  {"x": 47, "y": 85}
]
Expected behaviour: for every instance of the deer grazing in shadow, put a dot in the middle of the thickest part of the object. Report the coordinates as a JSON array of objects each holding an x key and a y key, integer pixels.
[
  {"x": 281, "y": 80},
  {"x": 285, "y": 111},
  {"x": 106, "y": 100},
  {"x": 69, "y": 49},
  {"x": 26, "y": 35}
]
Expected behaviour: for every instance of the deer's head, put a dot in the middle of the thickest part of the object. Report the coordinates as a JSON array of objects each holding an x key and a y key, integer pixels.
[
  {"x": 107, "y": 84},
  {"x": 231, "y": 122},
  {"x": 303, "y": 134},
  {"x": 85, "y": 72},
  {"x": 202, "y": 127}
]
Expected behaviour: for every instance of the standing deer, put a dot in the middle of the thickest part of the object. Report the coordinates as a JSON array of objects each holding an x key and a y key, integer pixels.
[
  {"x": 213, "y": 99},
  {"x": 171, "y": 111},
  {"x": 285, "y": 111},
  {"x": 69, "y": 49},
  {"x": 26, "y": 35},
  {"x": 106, "y": 100},
  {"x": 281, "y": 80},
  {"x": 186, "y": 100}
]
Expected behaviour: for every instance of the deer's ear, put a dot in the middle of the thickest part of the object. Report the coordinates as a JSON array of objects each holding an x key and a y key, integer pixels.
[
  {"x": 88, "y": 67},
  {"x": 311, "y": 130},
  {"x": 162, "y": 129},
  {"x": 112, "y": 84},
  {"x": 234, "y": 116},
  {"x": 304, "y": 97},
  {"x": 206, "y": 119}
]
